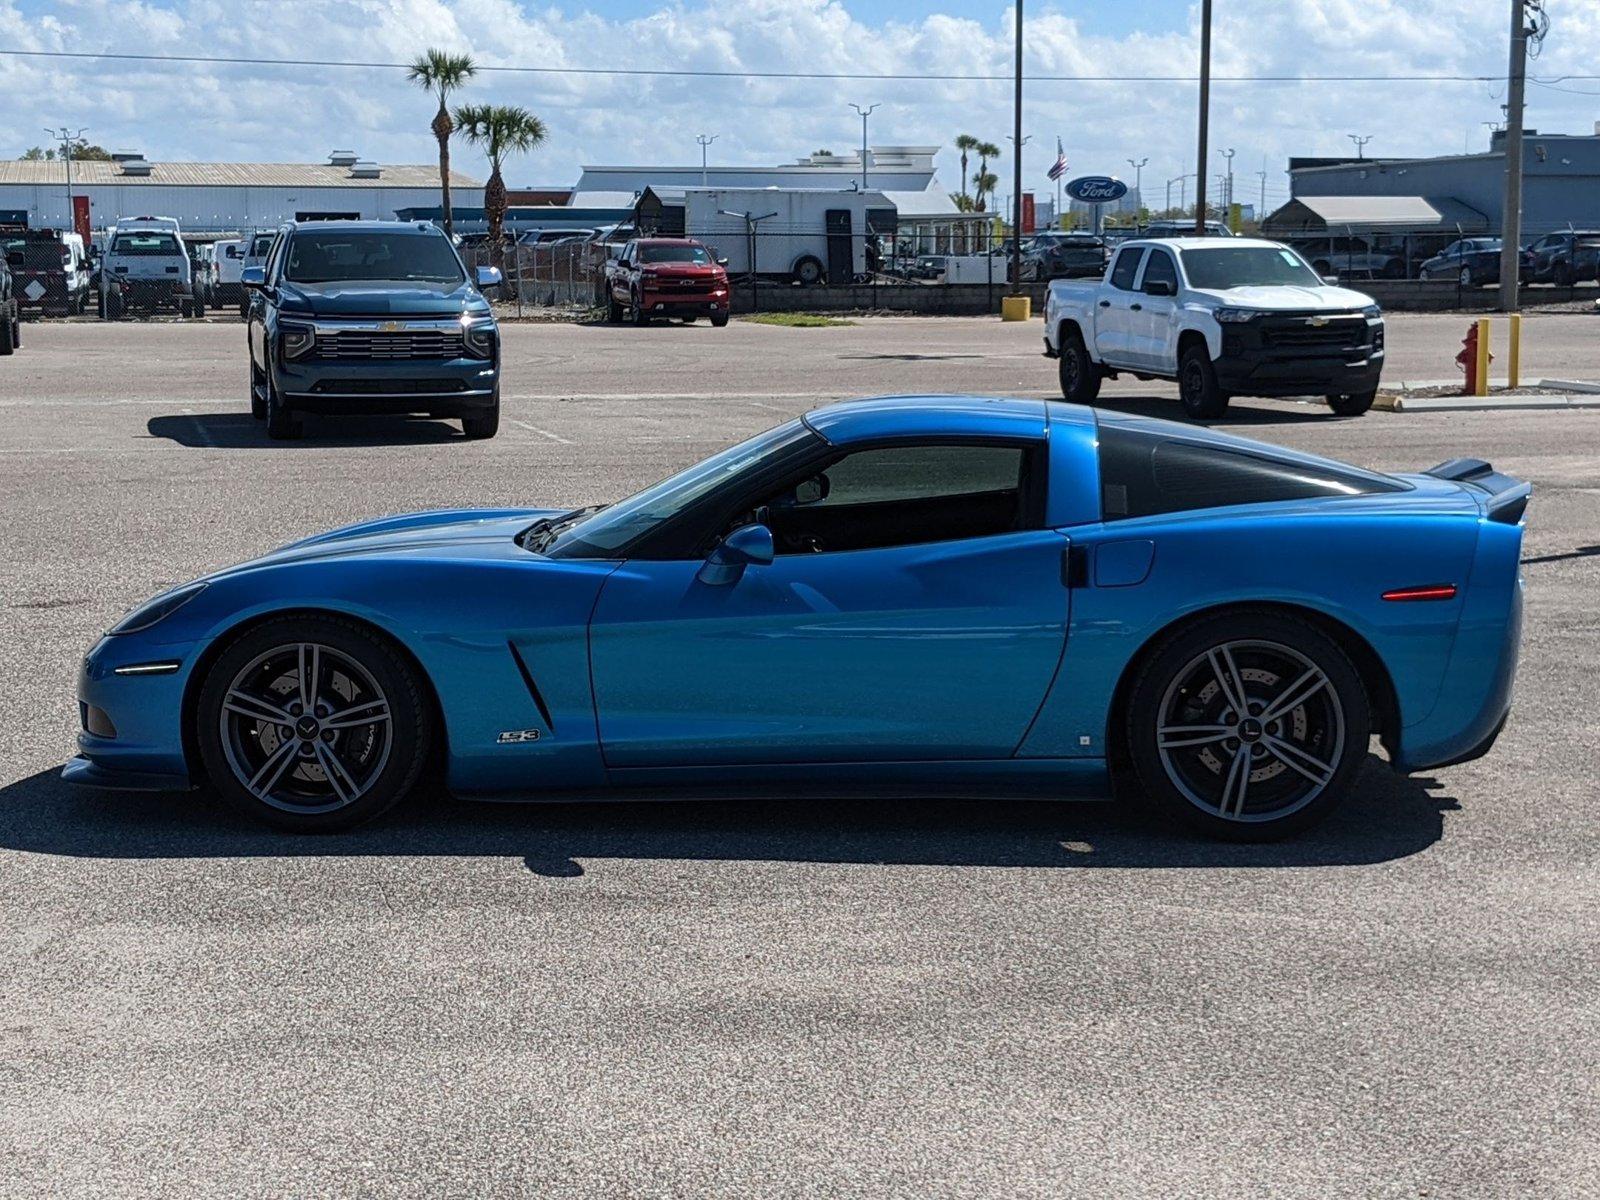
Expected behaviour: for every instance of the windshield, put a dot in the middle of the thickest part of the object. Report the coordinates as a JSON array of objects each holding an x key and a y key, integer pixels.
[
  {"x": 675, "y": 254},
  {"x": 609, "y": 529},
  {"x": 1223, "y": 267},
  {"x": 344, "y": 257},
  {"x": 145, "y": 243},
  {"x": 259, "y": 247}
]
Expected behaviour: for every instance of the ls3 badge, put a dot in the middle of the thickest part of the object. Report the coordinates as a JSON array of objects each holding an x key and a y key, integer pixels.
[{"x": 512, "y": 737}]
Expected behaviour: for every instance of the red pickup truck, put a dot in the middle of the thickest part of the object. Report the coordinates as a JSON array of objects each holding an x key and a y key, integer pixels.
[{"x": 667, "y": 277}]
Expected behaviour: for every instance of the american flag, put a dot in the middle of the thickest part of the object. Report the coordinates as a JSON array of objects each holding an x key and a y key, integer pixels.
[{"x": 1060, "y": 168}]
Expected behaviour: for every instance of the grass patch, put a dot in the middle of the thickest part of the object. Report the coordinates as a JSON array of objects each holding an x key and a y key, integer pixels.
[{"x": 796, "y": 320}]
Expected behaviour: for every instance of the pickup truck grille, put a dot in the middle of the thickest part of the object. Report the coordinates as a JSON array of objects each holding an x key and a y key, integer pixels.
[
  {"x": 1333, "y": 332},
  {"x": 416, "y": 343},
  {"x": 682, "y": 287}
]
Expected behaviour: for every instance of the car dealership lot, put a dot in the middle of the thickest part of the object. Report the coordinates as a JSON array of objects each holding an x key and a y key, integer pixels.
[{"x": 762, "y": 999}]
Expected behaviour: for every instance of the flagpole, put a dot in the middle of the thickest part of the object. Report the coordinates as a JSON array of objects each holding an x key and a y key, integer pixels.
[{"x": 1059, "y": 223}]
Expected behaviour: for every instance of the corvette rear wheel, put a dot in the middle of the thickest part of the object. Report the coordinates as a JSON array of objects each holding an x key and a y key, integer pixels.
[
  {"x": 1250, "y": 726},
  {"x": 312, "y": 724}
]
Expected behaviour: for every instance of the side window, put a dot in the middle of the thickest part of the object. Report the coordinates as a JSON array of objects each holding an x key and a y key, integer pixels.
[
  {"x": 1160, "y": 269},
  {"x": 1127, "y": 268},
  {"x": 904, "y": 496},
  {"x": 1143, "y": 474}
]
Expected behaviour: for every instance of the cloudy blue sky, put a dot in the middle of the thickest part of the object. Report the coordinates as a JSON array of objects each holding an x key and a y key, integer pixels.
[{"x": 270, "y": 113}]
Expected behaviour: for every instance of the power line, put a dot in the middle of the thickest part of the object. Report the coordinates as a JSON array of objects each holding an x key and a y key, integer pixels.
[{"x": 907, "y": 76}]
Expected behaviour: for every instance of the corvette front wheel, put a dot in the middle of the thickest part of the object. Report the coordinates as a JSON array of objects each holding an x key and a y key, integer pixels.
[
  {"x": 1250, "y": 726},
  {"x": 312, "y": 724}
]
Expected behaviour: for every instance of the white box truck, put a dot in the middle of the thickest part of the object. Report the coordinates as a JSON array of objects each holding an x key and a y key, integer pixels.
[{"x": 806, "y": 235}]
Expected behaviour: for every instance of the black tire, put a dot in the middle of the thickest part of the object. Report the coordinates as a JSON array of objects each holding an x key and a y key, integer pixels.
[
  {"x": 282, "y": 423},
  {"x": 719, "y": 319},
  {"x": 258, "y": 399},
  {"x": 8, "y": 337},
  {"x": 1301, "y": 763},
  {"x": 636, "y": 308},
  {"x": 1352, "y": 404},
  {"x": 1203, "y": 399},
  {"x": 613, "y": 310},
  {"x": 1079, "y": 376},
  {"x": 482, "y": 422},
  {"x": 809, "y": 271},
  {"x": 100, "y": 305},
  {"x": 1561, "y": 276},
  {"x": 233, "y": 742},
  {"x": 1465, "y": 279},
  {"x": 16, "y": 332},
  {"x": 115, "y": 306},
  {"x": 199, "y": 305}
]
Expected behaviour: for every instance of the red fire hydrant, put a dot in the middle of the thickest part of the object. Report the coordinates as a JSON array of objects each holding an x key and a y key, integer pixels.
[{"x": 1468, "y": 360}]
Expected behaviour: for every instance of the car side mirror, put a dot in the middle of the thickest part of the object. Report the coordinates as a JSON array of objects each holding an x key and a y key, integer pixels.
[
  {"x": 1160, "y": 287},
  {"x": 746, "y": 546},
  {"x": 254, "y": 278},
  {"x": 489, "y": 277},
  {"x": 1331, "y": 280},
  {"x": 722, "y": 262}
]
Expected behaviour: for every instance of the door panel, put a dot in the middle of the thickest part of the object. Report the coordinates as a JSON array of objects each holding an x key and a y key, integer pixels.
[{"x": 937, "y": 651}]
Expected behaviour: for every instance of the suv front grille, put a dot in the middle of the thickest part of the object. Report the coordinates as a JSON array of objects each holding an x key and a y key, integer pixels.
[
  {"x": 1333, "y": 332},
  {"x": 414, "y": 343}
]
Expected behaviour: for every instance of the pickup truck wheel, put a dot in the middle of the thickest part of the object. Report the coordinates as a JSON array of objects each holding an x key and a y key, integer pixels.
[
  {"x": 719, "y": 319},
  {"x": 613, "y": 310},
  {"x": 636, "y": 306},
  {"x": 483, "y": 422},
  {"x": 8, "y": 336},
  {"x": 1080, "y": 378},
  {"x": 258, "y": 400},
  {"x": 199, "y": 304},
  {"x": 1352, "y": 404},
  {"x": 1202, "y": 398},
  {"x": 100, "y": 305},
  {"x": 114, "y": 307}
]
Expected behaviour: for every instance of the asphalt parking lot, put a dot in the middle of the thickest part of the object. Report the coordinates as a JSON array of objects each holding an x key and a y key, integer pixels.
[{"x": 773, "y": 999}]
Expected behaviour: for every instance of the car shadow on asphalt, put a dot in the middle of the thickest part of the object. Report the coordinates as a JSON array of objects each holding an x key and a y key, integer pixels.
[
  {"x": 1387, "y": 818},
  {"x": 240, "y": 431},
  {"x": 1240, "y": 413}
]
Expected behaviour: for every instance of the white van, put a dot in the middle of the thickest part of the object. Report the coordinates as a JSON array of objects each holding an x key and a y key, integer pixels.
[
  {"x": 229, "y": 264},
  {"x": 146, "y": 269}
]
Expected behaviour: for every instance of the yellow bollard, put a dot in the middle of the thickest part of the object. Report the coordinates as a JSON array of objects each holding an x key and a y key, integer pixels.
[
  {"x": 1483, "y": 357},
  {"x": 1514, "y": 358},
  {"x": 1016, "y": 308}
]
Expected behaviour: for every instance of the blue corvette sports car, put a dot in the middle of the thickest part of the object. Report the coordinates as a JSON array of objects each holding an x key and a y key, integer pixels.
[{"x": 933, "y": 595}]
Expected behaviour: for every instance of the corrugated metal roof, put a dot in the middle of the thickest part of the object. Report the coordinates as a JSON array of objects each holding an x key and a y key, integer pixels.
[
  {"x": 216, "y": 174},
  {"x": 1395, "y": 213}
]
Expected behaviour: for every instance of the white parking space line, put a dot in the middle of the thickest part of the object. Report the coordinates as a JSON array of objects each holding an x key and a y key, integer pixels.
[{"x": 545, "y": 433}]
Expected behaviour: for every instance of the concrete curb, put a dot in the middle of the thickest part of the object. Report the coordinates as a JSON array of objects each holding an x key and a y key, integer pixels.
[{"x": 1403, "y": 403}]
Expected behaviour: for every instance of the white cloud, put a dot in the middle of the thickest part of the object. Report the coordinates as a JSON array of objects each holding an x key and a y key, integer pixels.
[{"x": 176, "y": 111}]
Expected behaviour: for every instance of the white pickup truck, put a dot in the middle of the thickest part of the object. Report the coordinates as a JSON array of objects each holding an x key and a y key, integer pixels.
[{"x": 1222, "y": 317}]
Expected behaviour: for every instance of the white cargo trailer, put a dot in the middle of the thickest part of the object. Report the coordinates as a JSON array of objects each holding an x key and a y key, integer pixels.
[{"x": 803, "y": 234}]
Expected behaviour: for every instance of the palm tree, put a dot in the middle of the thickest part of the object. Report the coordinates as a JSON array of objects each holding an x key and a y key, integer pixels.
[
  {"x": 983, "y": 182},
  {"x": 986, "y": 152},
  {"x": 442, "y": 73},
  {"x": 965, "y": 142},
  {"x": 498, "y": 129}
]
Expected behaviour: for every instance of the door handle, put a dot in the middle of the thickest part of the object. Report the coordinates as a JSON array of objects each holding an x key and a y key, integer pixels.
[
  {"x": 1105, "y": 304},
  {"x": 1136, "y": 307}
]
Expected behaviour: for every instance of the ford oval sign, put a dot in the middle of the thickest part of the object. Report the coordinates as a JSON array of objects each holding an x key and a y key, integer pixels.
[{"x": 1097, "y": 189}]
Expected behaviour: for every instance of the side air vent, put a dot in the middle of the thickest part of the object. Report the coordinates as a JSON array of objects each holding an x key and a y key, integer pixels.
[{"x": 533, "y": 688}]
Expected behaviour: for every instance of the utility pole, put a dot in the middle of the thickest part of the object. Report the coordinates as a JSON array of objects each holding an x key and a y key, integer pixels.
[
  {"x": 1511, "y": 223},
  {"x": 1262, "y": 210},
  {"x": 865, "y": 113},
  {"x": 1138, "y": 177},
  {"x": 704, "y": 143},
  {"x": 1227, "y": 212},
  {"x": 1016, "y": 188},
  {"x": 66, "y": 137},
  {"x": 1361, "y": 144},
  {"x": 1205, "y": 118}
]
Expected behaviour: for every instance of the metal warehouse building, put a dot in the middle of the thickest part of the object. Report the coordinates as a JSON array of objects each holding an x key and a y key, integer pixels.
[
  {"x": 210, "y": 197},
  {"x": 1453, "y": 194}
]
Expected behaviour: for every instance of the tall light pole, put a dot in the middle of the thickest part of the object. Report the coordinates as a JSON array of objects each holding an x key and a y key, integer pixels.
[
  {"x": 1262, "y": 210},
  {"x": 1361, "y": 144},
  {"x": 1511, "y": 222},
  {"x": 1228, "y": 154},
  {"x": 704, "y": 142},
  {"x": 1016, "y": 162},
  {"x": 1138, "y": 177},
  {"x": 66, "y": 137},
  {"x": 865, "y": 113},
  {"x": 1205, "y": 118},
  {"x": 1183, "y": 187}
]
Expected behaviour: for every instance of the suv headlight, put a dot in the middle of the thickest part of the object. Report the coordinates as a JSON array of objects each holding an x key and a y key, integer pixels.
[
  {"x": 157, "y": 610},
  {"x": 1232, "y": 316},
  {"x": 478, "y": 339},
  {"x": 296, "y": 340}
]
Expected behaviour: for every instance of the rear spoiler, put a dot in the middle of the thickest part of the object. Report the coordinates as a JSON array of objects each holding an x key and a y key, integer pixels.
[{"x": 1507, "y": 495}]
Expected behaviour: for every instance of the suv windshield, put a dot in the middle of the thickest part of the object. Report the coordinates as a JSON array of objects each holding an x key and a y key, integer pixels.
[
  {"x": 348, "y": 256},
  {"x": 1224, "y": 267},
  {"x": 604, "y": 531},
  {"x": 675, "y": 254},
  {"x": 145, "y": 243}
]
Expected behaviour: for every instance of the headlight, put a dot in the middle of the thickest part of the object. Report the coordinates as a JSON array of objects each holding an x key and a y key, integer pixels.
[
  {"x": 159, "y": 609},
  {"x": 1372, "y": 312},
  {"x": 296, "y": 340},
  {"x": 478, "y": 338},
  {"x": 1232, "y": 316}
]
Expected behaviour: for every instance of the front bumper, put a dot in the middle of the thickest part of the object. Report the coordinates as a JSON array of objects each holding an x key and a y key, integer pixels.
[
  {"x": 150, "y": 294},
  {"x": 442, "y": 386},
  {"x": 1300, "y": 355},
  {"x": 679, "y": 304},
  {"x": 131, "y": 733}
]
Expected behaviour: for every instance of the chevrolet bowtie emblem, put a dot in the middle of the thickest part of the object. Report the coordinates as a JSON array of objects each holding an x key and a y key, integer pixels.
[
  {"x": 392, "y": 326},
  {"x": 1319, "y": 322}
]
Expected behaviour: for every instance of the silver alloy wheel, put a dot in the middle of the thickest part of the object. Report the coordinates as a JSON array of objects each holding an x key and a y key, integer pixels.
[
  {"x": 305, "y": 728},
  {"x": 1250, "y": 731}
]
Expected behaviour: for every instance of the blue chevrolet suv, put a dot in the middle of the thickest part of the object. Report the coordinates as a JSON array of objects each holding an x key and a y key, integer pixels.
[{"x": 370, "y": 316}]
